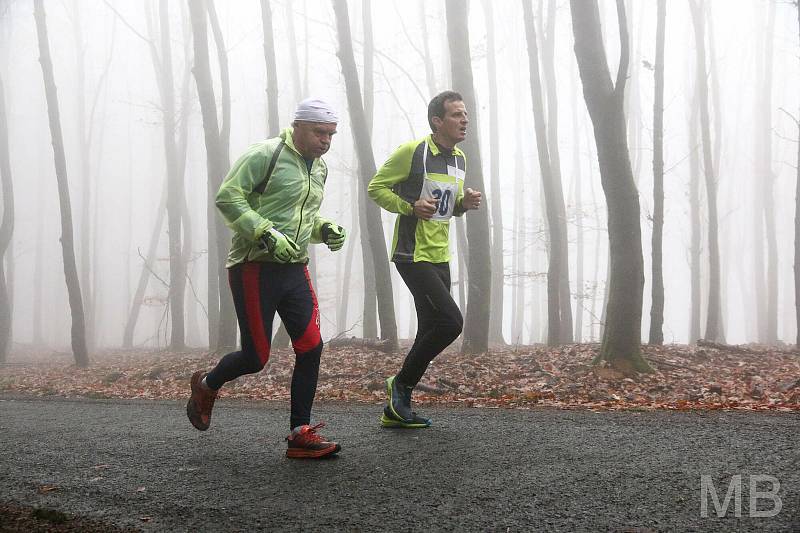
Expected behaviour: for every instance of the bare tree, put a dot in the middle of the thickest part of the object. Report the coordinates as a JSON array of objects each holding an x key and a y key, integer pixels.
[
  {"x": 67, "y": 247},
  {"x": 559, "y": 313},
  {"x": 621, "y": 345},
  {"x": 273, "y": 120},
  {"x": 657, "y": 306},
  {"x": 695, "y": 247},
  {"x": 498, "y": 268},
  {"x": 714, "y": 316},
  {"x": 479, "y": 294},
  {"x": 6, "y": 228},
  {"x": 797, "y": 219},
  {"x": 366, "y": 165}
]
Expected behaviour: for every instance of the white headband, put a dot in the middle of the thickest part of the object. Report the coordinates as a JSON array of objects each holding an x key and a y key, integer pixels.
[{"x": 315, "y": 110}]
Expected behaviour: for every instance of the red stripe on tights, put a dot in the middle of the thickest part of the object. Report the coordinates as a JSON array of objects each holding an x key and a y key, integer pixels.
[
  {"x": 252, "y": 305},
  {"x": 311, "y": 336}
]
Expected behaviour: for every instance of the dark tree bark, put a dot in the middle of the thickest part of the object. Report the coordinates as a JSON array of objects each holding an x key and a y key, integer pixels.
[
  {"x": 366, "y": 165},
  {"x": 621, "y": 345},
  {"x": 498, "y": 267},
  {"x": 6, "y": 228},
  {"x": 559, "y": 326},
  {"x": 714, "y": 316},
  {"x": 273, "y": 121},
  {"x": 67, "y": 246},
  {"x": 657, "y": 307},
  {"x": 479, "y": 294},
  {"x": 217, "y": 164}
]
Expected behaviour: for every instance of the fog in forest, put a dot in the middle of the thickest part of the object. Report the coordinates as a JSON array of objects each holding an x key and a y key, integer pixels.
[{"x": 110, "y": 70}]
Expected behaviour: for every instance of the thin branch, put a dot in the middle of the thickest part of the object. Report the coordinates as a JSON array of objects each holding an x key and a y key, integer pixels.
[
  {"x": 130, "y": 27},
  {"x": 196, "y": 298},
  {"x": 797, "y": 122},
  {"x": 147, "y": 266}
]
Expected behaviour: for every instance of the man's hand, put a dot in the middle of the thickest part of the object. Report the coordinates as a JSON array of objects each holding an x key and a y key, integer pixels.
[
  {"x": 333, "y": 235},
  {"x": 425, "y": 208},
  {"x": 472, "y": 199},
  {"x": 282, "y": 248}
]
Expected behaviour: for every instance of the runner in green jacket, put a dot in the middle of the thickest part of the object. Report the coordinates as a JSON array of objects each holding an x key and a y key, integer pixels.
[
  {"x": 423, "y": 182},
  {"x": 271, "y": 199}
]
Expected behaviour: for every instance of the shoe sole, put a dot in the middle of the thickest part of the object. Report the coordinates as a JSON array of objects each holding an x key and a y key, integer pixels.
[
  {"x": 300, "y": 453},
  {"x": 390, "y": 423}
]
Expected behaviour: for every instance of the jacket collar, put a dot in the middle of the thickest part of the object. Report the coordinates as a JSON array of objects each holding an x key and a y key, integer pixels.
[{"x": 435, "y": 150}]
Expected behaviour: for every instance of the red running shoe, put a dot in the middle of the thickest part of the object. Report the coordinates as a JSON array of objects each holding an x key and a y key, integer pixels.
[
  {"x": 308, "y": 444},
  {"x": 200, "y": 404}
]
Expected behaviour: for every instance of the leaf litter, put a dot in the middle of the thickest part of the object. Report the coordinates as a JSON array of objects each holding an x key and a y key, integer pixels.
[{"x": 685, "y": 377}]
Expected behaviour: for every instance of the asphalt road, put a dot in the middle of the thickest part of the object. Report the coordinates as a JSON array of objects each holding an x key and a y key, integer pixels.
[{"x": 140, "y": 464}]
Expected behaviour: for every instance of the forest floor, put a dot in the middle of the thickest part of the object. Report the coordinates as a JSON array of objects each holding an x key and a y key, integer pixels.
[{"x": 685, "y": 377}]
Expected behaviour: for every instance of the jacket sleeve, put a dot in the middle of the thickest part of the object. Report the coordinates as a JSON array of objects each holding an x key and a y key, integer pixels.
[
  {"x": 231, "y": 200},
  {"x": 393, "y": 171}
]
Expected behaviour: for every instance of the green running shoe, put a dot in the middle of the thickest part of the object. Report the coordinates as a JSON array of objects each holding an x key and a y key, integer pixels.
[
  {"x": 388, "y": 420},
  {"x": 398, "y": 399}
]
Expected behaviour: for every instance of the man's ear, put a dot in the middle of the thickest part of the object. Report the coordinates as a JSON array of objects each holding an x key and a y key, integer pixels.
[{"x": 437, "y": 122}]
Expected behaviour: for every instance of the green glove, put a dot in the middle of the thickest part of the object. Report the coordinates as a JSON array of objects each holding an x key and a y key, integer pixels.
[
  {"x": 282, "y": 248},
  {"x": 333, "y": 235}
]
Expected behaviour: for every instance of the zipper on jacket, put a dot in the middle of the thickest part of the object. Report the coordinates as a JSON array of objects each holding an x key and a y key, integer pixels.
[{"x": 302, "y": 207}]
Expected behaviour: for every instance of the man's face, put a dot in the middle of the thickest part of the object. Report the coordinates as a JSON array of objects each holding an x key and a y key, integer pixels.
[
  {"x": 452, "y": 129},
  {"x": 313, "y": 139}
]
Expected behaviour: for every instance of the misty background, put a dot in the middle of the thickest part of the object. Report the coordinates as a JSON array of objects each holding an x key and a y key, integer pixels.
[{"x": 112, "y": 116}]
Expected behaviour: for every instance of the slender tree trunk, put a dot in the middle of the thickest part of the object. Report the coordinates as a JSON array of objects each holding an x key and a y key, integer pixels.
[
  {"x": 144, "y": 276},
  {"x": 273, "y": 121},
  {"x": 463, "y": 258},
  {"x": 430, "y": 77},
  {"x": 6, "y": 229},
  {"x": 657, "y": 307},
  {"x": 549, "y": 71},
  {"x": 621, "y": 344},
  {"x": 557, "y": 308},
  {"x": 177, "y": 269},
  {"x": 580, "y": 249},
  {"x": 370, "y": 320},
  {"x": 695, "y": 248},
  {"x": 713, "y": 318},
  {"x": 771, "y": 326},
  {"x": 84, "y": 225},
  {"x": 797, "y": 220},
  {"x": 479, "y": 295},
  {"x": 495, "y": 198},
  {"x": 377, "y": 241},
  {"x": 68, "y": 251},
  {"x": 217, "y": 164},
  {"x": 228, "y": 325}
]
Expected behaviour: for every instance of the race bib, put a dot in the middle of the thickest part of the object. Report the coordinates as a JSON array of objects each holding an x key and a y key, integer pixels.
[{"x": 444, "y": 194}]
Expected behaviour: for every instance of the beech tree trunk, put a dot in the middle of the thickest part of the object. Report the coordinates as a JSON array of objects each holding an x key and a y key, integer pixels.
[
  {"x": 479, "y": 293},
  {"x": 366, "y": 166},
  {"x": 78, "y": 335},
  {"x": 657, "y": 306},
  {"x": 6, "y": 229},
  {"x": 713, "y": 318},
  {"x": 621, "y": 345},
  {"x": 495, "y": 198},
  {"x": 559, "y": 312}
]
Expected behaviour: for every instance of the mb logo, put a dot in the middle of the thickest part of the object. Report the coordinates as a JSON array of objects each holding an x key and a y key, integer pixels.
[{"x": 762, "y": 487}]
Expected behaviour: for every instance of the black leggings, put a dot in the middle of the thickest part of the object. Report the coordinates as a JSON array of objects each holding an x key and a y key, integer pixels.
[
  {"x": 438, "y": 316},
  {"x": 259, "y": 290}
]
